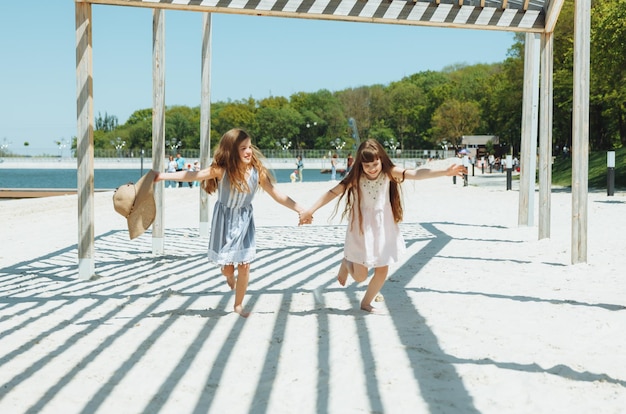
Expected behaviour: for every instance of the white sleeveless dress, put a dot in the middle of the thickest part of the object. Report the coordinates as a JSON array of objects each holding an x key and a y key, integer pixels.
[{"x": 380, "y": 243}]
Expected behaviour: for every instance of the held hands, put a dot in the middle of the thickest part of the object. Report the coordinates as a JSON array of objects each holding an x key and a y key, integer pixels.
[{"x": 306, "y": 217}]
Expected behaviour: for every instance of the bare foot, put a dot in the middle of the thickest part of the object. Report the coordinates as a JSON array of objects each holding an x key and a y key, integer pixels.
[
  {"x": 342, "y": 276},
  {"x": 240, "y": 311},
  {"x": 367, "y": 308}
]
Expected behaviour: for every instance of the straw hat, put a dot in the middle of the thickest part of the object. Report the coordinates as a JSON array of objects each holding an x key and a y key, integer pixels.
[{"x": 136, "y": 203}]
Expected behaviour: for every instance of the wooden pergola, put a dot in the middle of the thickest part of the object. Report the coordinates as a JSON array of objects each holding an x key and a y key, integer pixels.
[{"x": 535, "y": 18}]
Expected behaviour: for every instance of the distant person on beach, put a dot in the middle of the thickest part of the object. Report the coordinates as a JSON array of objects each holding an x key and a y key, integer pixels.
[
  {"x": 466, "y": 163},
  {"x": 180, "y": 166},
  {"x": 299, "y": 166},
  {"x": 333, "y": 167},
  {"x": 235, "y": 174},
  {"x": 293, "y": 176},
  {"x": 171, "y": 167},
  {"x": 373, "y": 208}
]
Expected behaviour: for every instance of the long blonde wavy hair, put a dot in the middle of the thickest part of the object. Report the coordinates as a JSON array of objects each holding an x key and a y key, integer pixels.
[{"x": 226, "y": 157}]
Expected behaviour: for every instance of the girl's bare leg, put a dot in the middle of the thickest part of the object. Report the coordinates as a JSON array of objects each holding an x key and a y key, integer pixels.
[
  {"x": 342, "y": 276},
  {"x": 358, "y": 272},
  {"x": 229, "y": 272},
  {"x": 243, "y": 273},
  {"x": 377, "y": 282}
]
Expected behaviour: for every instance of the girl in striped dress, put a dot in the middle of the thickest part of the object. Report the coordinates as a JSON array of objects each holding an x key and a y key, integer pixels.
[{"x": 235, "y": 174}]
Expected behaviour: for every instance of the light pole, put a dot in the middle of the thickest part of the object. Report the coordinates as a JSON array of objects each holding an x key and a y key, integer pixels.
[
  {"x": 610, "y": 178},
  {"x": 4, "y": 146},
  {"x": 173, "y": 144},
  {"x": 393, "y": 145},
  {"x": 118, "y": 143},
  {"x": 284, "y": 144},
  {"x": 61, "y": 144},
  {"x": 338, "y": 143},
  {"x": 444, "y": 147},
  {"x": 308, "y": 127}
]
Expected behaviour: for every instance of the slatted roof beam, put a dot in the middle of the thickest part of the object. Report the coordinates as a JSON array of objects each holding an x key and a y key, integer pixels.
[
  {"x": 552, "y": 14},
  {"x": 431, "y": 13}
]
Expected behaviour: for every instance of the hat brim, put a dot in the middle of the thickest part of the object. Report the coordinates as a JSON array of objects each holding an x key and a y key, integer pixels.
[{"x": 143, "y": 212}]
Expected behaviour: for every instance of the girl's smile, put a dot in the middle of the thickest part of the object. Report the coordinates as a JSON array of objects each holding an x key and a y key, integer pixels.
[
  {"x": 245, "y": 151},
  {"x": 372, "y": 169}
]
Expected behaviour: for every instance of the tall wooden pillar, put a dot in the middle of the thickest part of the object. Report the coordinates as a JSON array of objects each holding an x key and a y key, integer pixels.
[
  {"x": 580, "y": 130},
  {"x": 84, "y": 144},
  {"x": 205, "y": 118},
  {"x": 545, "y": 135},
  {"x": 158, "y": 121},
  {"x": 528, "y": 148}
]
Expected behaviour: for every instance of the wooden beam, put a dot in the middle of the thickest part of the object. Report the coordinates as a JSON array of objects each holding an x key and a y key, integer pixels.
[
  {"x": 528, "y": 148},
  {"x": 158, "y": 122},
  {"x": 552, "y": 14},
  {"x": 38, "y": 192},
  {"x": 205, "y": 118},
  {"x": 580, "y": 130},
  {"x": 432, "y": 13},
  {"x": 545, "y": 134},
  {"x": 84, "y": 141}
]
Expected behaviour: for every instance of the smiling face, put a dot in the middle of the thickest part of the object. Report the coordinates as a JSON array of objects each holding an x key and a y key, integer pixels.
[
  {"x": 372, "y": 169},
  {"x": 245, "y": 151}
]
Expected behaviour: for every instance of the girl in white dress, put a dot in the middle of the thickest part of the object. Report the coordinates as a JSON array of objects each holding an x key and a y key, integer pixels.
[
  {"x": 373, "y": 209},
  {"x": 235, "y": 174}
]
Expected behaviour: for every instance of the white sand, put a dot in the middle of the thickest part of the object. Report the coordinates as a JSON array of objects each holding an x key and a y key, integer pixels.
[{"x": 480, "y": 316}]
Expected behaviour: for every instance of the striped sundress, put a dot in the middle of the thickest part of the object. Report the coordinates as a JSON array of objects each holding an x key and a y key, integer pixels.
[{"x": 232, "y": 238}]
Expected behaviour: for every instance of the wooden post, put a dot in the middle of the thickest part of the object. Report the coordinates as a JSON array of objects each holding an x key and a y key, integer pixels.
[
  {"x": 580, "y": 130},
  {"x": 205, "y": 119},
  {"x": 158, "y": 121},
  {"x": 84, "y": 144},
  {"x": 545, "y": 135},
  {"x": 528, "y": 149}
]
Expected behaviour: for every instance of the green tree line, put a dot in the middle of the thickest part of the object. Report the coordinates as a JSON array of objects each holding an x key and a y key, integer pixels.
[{"x": 423, "y": 110}]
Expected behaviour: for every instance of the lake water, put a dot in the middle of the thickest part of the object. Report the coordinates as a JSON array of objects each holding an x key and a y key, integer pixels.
[{"x": 105, "y": 179}]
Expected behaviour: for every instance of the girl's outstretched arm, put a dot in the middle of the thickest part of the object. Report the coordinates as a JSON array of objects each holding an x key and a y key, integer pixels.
[
  {"x": 307, "y": 216},
  {"x": 401, "y": 174},
  {"x": 279, "y": 197},
  {"x": 186, "y": 176}
]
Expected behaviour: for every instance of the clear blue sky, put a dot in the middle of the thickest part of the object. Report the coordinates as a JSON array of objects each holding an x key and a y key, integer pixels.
[{"x": 252, "y": 56}]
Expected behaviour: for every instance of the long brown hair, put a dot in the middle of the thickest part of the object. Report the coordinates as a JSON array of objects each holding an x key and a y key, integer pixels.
[
  {"x": 369, "y": 151},
  {"x": 226, "y": 157}
]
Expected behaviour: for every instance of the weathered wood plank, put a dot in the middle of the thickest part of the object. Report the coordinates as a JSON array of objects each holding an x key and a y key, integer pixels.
[
  {"x": 84, "y": 146},
  {"x": 528, "y": 148},
  {"x": 580, "y": 130},
  {"x": 205, "y": 119},
  {"x": 416, "y": 13},
  {"x": 545, "y": 135},
  {"x": 158, "y": 122}
]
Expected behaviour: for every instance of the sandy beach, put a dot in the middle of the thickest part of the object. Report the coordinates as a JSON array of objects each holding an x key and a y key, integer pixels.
[{"x": 479, "y": 316}]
